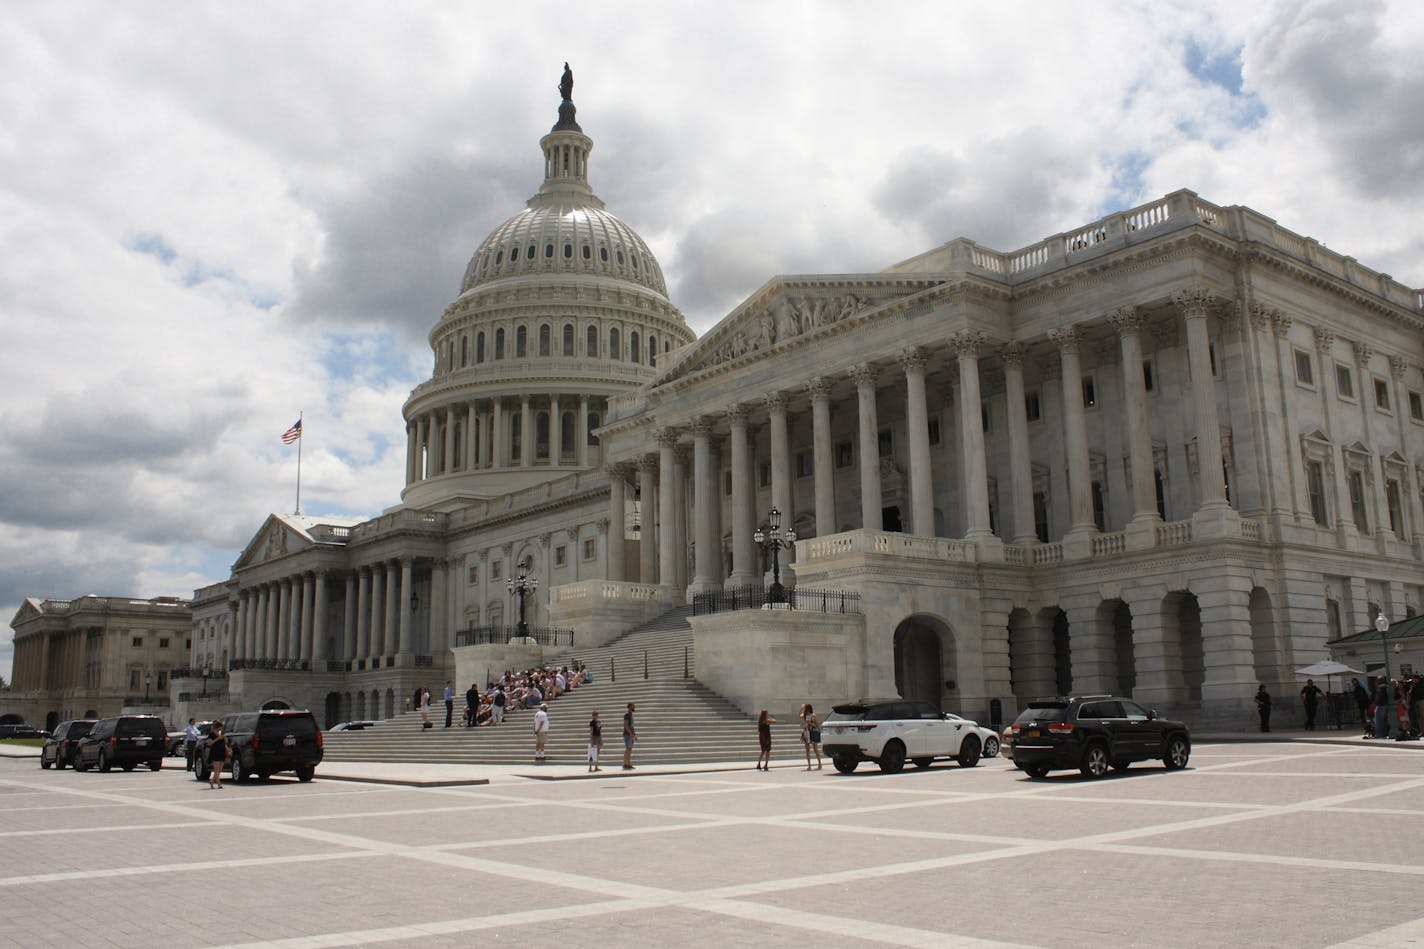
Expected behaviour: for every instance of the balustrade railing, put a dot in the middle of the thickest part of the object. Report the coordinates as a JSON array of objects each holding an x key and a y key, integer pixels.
[
  {"x": 274, "y": 665},
  {"x": 499, "y": 635},
  {"x": 754, "y": 598}
]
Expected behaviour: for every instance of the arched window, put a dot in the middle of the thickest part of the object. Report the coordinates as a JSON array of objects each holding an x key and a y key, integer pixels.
[
  {"x": 633, "y": 351},
  {"x": 592, "y": 424},
  {"x": 499, "y": 343},
  {"x": 480, "y": 347},
  {"x": 464, "y": 351},
  {"x": 592, "y": 341},
  {"x": 513, "y": 255},
  {"x": 652, "y": 350},
  {"x": 521, "y": 343},
  {"x": 568, "y": 251},
  {"x": 568, "y": 339},
  {"x": 541, "y": 440},
  {"x": 615, "y": 351},
  {"x": 544, "y": 339},
  {"x": 549, "y": 251},
  {"x": 566, "y": 434}
]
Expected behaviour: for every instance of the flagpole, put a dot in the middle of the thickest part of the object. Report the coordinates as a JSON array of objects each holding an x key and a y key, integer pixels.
[{"x": 299, "y": 464}]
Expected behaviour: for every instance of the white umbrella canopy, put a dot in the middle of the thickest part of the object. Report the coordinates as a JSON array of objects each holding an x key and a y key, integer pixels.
[{"x": 1327, "y": 667}]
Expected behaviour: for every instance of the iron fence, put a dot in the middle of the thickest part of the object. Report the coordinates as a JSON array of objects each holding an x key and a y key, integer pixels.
[
  {"x": 491, "y": 635},
  {"x": 754, "y": 598}
]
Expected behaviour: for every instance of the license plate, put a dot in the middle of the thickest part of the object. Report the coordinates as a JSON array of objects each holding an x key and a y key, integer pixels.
[
  {"x": 289, "y": 742},
  {"x": 140, "y": 741},
  {"x": 1033, "y": 733}
]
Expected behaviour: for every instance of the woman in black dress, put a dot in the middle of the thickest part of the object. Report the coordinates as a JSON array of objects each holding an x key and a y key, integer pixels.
[
  {"x": 217, "y": 755},
  {"x": 764, "y": 723}
]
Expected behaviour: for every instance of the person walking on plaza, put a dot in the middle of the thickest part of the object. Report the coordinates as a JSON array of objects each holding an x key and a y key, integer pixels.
[
  {"x": 764, "y": 723},
  {"x": 497, "y": 705},
  {"x": 425, "y": 709},
  {"x": 1310, "y": 696},
  {"x": 1415, "y": 697},
  {"x": 541, "y": 731},
  {"x": 218, "y": 753},
  {"x": 1362, "y": 702},
  {"x": 449, "y": 703},
  {"x": 1381, "y": 702},
  {"x": 472, "y": 705},
  {"x": 595, "y": 741},
  {"x": 190, "y": 741},
  {"x": 630, "y": 737},
  {"x": 1263, "y": 707},
  {"x": 811, "y": 735}
]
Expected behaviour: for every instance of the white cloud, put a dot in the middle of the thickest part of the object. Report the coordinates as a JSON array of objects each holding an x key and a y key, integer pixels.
[{"x": 216, "y": 217}]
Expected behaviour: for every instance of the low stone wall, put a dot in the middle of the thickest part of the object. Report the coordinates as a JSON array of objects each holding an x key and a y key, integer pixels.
[
  {"x": 600, "y": 611},
  {"x": 480, "y": 663},
  {"x": 776, "y": 659}
]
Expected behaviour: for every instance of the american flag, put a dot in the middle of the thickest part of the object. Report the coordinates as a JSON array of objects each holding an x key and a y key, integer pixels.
[{"x": 293, "y": 433}]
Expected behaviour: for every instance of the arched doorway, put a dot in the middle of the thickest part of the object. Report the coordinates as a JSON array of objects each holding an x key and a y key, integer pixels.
[
  {"x": 51, "y": 720},
  {"x": 333, "y": 709},
  {"x": 1118, "y": 616},
  {"x": 1263, "y": 638},
  {"x": 275, "y": 704},
  {"x": 921, "y": 668}
]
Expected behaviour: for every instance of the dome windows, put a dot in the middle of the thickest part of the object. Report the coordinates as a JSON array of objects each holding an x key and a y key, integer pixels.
[
  {"x": 592, "y": 345},
  {"x": 568, "y": 339},
  {"x": 521, "y": 341},
  {"x": 529, "y": 253},
  {"x": 603, "y": 254},
  {"x": 548, "y": 251},
  {"x": 620, "y": 257},
  {"x": 587, "y": 252},
  {"x": 568, "y": 252},
  {"x": 513, "y": 255},
  {"x": 544, "y": 340}
]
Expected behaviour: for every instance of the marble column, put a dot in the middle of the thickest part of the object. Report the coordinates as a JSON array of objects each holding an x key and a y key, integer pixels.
[
  {"x": 868, "y": 449},
  {"x": 363, "y": 614},
  {"x": 378, "y": 612},
  {"x": 706, "y": 544},
  {"x": 437, "y": 638},
  {"x": 348, "y": 620},
  {"x": 667, "y": 507},
  {"x": 412, "y": 452},
  {"x": 780, "y": 458},
  {"x": 407, "y": 585},
  {"x": 318, "y": 641},
  {"x": 447, "y": 463},
  {"x": 526, "y": 432},
  {"x": 1075, "y": 432},
  {"x": 917, "y": 425},
  {"x": 284, "y": 619},
  {"x": 239, "y": 638},
  {"x": 1142, "y": 531},
  {"x": 1020, "y": 459},
  {"x": 269, "y": 620},
  {"x": 308, "y": 625},
  {"x": 823, "y": 450},
  {"x": 499, "y": 436},
  {"x": 617, "y": 519},
  {"x": 681, "y": 521},
  {"x": 395, "y": 601},
  {"x": 556, "y": 432},
  {"x": 581, "y": 433},
  {"x": 744, "y": 569},
  {"x": 967, "y": 346},
  {"x": 1195, "y": 304},
  {"x": 472, "y": 437},
  {"x": 648, "y": 519}
]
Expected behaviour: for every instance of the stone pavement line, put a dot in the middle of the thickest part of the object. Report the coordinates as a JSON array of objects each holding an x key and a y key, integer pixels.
[
  {"x": 224, "y": 864},
  {"x": 105, "y": 829},
  {"x": 1405, "y": 934},
  {"x": 1281, "y": 860}
]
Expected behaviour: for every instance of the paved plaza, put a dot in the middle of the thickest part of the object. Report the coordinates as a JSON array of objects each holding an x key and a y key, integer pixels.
[{"x": 1256, "y": 844}]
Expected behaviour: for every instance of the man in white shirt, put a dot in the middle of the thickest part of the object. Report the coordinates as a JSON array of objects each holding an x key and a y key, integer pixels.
[
  {"x": 541, "y": 731},
  {"x": 190, "y": 742}
]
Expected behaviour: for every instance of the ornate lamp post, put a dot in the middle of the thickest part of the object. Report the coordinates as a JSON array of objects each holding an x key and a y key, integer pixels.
[
  {"x": 522, "y": 586},
  {"x": 1382, "y": 625},
  {"x": 147, "y": 684},
  {"x": 207, "y": 671},
  {"x": 773, "y": 538}
]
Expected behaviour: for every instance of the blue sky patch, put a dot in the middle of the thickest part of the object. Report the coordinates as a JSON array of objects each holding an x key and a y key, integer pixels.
[{"x": 153, "y": 245}]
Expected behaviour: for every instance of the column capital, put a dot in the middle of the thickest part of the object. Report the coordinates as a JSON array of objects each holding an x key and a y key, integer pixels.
[
  {"x": 818, "y": 388},
  {"x": 737, "y": 414},
  {"x": 602, "y": 523},
  {"x": 701, "y": 426},
  {"x": 1324, "y": 338},
  {"x": 648, "y": 464},
  {"x": 775, "y": 402},
  {"x": 863, "y": 374},
  {"x": 1012, "y": 354},
  {"x": 967, "y": 343},
  {"x": 1363, "y": 352},
  {"x": 681, "y": 452},
  {"x": 1066, "y": 338},
  {"x": 1127, "y": 320},
  {"x": 913, "y": 359},
  {"x": 667, "y": 437},
  {"x": 1262, "y": 316},
  {"x": 1397, "y": 365},
  {"x": 618, "y": 470},
  {"x": 1194, "y": 302},
  {"x": 1280, "y": 324}
]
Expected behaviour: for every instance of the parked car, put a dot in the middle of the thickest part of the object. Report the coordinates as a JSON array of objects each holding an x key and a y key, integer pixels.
[
  {"x": 350, "y": 726},
  {"x": 266, "y": 742},
  {"x": 889, "y": 731},
  {"x": 1094, "y": 733},
  {"x": 123, "y": 740},
  {"x": 61, "y": 747},
  {"x": 21, "y": 731},
  {"x": 987, "y": 736},
  {"x": 178, "y": 740},
  {"x": 1006, "y": 741}
]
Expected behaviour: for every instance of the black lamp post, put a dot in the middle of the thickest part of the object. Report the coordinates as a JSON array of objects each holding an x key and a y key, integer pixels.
[
  {"x": 147, "y": 684},
  {"x": 207, "y": 671},
  {"x": 1382, "y": 627},
  {"x": 522, "y": 586},
  {"x": 773, "y": 538}
]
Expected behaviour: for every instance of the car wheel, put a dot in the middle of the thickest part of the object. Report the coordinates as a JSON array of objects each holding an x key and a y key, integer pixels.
[
  {"x": 892, "y": 757},
  {"x": 968, "y": 755},
  {"x": 1178, "y": 751},
  {"x": 239, "y": 773},
  {"x": 1036, "y": 770},
  {"x": 306, "y": 774},
  {"x": 155, "y": 764},
  {"x": 923, "y": 763},
  {"x": 103, "y": 762},
  {"x": 845, "y": 764},
  {"x": 991, "y": 748},
  {"x": 1095, "y": 761},
  {"x": 200, "y": 770},
  {"x": 43, "y": 763}
]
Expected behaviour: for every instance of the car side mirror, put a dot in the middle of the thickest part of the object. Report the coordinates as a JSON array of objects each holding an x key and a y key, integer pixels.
[{"x": 1151, "y": 714}]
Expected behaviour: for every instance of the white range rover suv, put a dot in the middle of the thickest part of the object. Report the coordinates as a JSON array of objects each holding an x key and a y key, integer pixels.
[{"x": 889, "y": 731}]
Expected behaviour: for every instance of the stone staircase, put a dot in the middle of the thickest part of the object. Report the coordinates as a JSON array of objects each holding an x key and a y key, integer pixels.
[{"x": 679, "y": 720}]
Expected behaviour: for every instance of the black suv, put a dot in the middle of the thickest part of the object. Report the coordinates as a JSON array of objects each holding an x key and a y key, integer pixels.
[
  {"x": 123, "y": 740},
  {"x": 1093, "y": 733},
  {"x": 61, "y": 747},
  {"x": 263, "y": 743}
]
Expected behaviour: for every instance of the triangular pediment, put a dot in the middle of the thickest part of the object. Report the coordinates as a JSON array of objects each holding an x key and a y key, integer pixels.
[
  {"x": 276, "y": 539},
  {"x": 29, "y": 609}
]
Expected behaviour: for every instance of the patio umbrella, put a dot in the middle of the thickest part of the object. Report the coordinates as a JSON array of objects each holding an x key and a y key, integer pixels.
[{"x": 1327, "y": 667}]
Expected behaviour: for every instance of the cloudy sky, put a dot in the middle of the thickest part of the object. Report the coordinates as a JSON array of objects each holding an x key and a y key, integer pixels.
[{"x": 214, "y": 216}]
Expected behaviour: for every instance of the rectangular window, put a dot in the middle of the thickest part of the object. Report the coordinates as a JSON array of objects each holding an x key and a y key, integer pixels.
[
  {"x": 137, "y": 642},
  {"x": 1315, "y": 486},
  {"x": 1040, "y": 516},
  {"x": 162, "y": 643},
  {"x": 1416, "y": 406},
  {"x": 845, "y": 455},
  {"x": 1097, "y": 492},
  {"x": 1148, "y": 382},
  {"x": 934, "y": 431},
  {"x": 1304, "y": 370},
  {"x": 1396, "y": 515},
  {"x": 496, "y": 571},
  {"x": 474, "y": 574},
  {"x": 561, "y": 556},
  {"x": 162, "y": 680},
  {"x": 1161, "y": 488},
  {"x": 134, "y": 679},
  {"x": 1032, "y": 409},
  {"x": 764, "y": 474},
  {"x": 1344, "y": 381},
  {"x": 1382, "y": 395},
  {"x": 805, "y": 464},
  {"x": 590, "y": 549},
  {"x": 1357, "y": 500},
  {"x": 1090, "y": 393},
  {"x": 886, "y": 443}
]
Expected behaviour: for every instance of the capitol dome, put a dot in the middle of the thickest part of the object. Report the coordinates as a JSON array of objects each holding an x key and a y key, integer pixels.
[{"x": 562, "y": 308}]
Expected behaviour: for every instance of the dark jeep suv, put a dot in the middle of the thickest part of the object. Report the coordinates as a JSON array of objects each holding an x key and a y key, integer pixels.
[
  {"x": 124, "y": 740},
  {"x": 265, "y": 742},
  {"x": 1094, "y": 733},
  {"x": 61, "y": 747}
]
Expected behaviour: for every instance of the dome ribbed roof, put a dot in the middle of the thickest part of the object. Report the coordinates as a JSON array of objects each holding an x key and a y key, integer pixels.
[{"x": 567, "y": 235}]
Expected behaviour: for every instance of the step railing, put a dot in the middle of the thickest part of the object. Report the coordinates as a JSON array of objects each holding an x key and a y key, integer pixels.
[
  {"x": 499, "y": 635},
  {"x": 755, "y": 598}
]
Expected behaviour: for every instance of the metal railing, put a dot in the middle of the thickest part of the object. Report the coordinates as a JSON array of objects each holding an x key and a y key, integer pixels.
[
  {"x": 499, "y": 635},
  {"x": 754, "y": 598},
  {"x": 280, "y": 665}
]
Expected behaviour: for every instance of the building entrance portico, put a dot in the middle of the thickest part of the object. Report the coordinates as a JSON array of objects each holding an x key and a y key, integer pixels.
[{"x": 924, "y": 659}]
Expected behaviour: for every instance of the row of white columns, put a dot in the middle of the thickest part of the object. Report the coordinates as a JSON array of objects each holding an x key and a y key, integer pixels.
[
  {"x": 968, "y": 346},
  {"x": 431, "y": 444}
]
